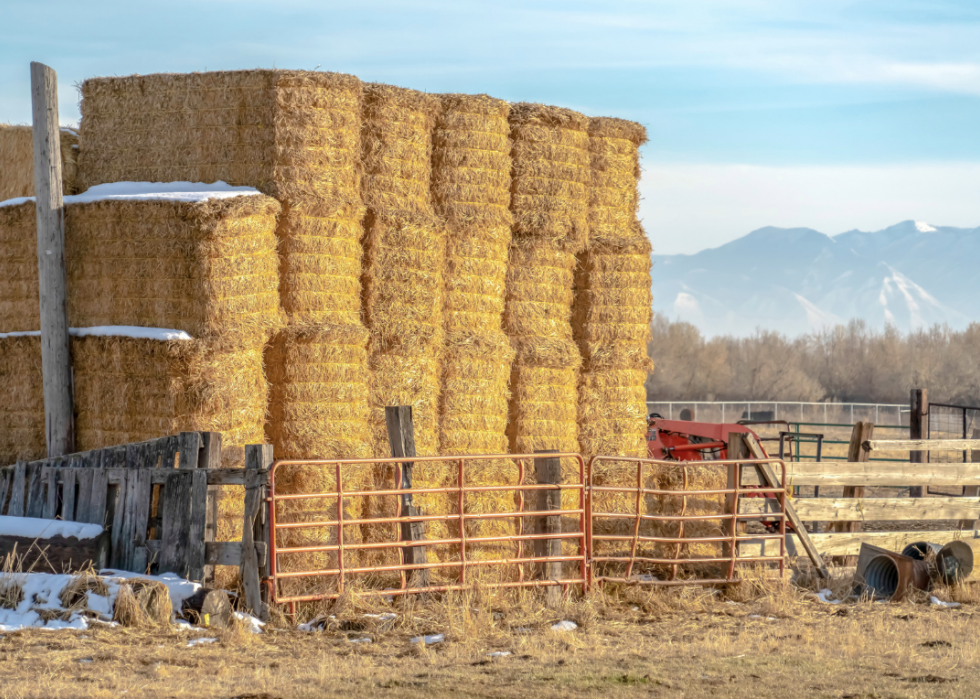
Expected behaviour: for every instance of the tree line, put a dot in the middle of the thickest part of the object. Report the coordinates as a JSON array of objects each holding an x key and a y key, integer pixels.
[{"x": 848, "y": 363}]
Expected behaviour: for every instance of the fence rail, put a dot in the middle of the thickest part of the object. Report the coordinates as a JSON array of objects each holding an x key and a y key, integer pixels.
[{"x": 733, "y": 411}]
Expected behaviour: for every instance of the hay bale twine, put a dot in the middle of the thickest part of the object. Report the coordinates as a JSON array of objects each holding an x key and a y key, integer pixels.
[{"x": 17, "y": 161}]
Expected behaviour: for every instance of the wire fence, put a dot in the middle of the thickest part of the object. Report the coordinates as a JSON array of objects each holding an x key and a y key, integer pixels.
[
  {"x": 884, "y": 414},
  {"x": 953, "y": 422}
]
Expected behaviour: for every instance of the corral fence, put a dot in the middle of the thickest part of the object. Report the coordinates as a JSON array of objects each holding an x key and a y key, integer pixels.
[
  {"x": 798, "y": 412},
  {"x": 952, "y": 422},
  {"x": 158, "y": 499}
]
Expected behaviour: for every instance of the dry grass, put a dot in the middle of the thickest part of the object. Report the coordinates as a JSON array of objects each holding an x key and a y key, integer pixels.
[{"x": 760, "y": 641}]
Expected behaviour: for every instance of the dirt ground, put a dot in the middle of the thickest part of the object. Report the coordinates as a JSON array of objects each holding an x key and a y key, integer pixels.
[{"x": 759, "y": 639}]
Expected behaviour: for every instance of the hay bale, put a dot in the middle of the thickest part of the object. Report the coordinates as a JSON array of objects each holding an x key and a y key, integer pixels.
[
  {"x": 396, "y": 147},
  {"x": 540, "y": 277},
  {"x": 471, "y": 161},
  {"x": 471, "y": 190},
  {"x": 129, "y": 390},
  {"x": 17, "y": 161},
  {"x": 294, "y": 135},
  {"x": 21, "y": 400},
  {"x": 614, "y": 145},
  {"x": 206, "y": 267},
  {"x": 551, "y": 174},
  {"x": 318, "y": 392}
]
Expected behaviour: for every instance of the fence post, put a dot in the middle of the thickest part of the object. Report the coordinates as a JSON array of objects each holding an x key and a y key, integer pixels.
[
  {"x": 861, "y": 432},
  {"x": 59, "y": 418},
  {"x": 548, "y": 471},
  {"x": 210, "y": 457},
  {"x": 918, "y": 429},
  {"x": 258, "y": 460},
  {"x": 401, "y": 437}
]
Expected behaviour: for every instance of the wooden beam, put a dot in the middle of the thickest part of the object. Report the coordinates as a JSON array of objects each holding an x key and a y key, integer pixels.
[
  {"x": 860, "y": 433},
  {"x": 914, "y": 445},
  {"x": 59, "y": 417},
  {"x": 548, "y": 470},
  {"x": 849, "y": 543},
  {"x": 401, "y": 437},
  {"x": 871, "y": 509},
  {"x": 918, "y": 430},
  {"x": 258, "y": 458},
  {"x": 875, "y": 473},
  {"x": 221, "y": 553},
  {"x": 792, "y": 518},
  {"x": 968, "y": 491}
]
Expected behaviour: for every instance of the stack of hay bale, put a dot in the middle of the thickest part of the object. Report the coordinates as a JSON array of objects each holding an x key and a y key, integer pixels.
[
  {"x": 170, "y": 295},
  {"x": 471, "y": 187},
  {"x": 17, "y": 159},
  {"x": 551, "y": 176},
  {"x": 405, "y": 255},
  {"x": 295, "y": 136}
]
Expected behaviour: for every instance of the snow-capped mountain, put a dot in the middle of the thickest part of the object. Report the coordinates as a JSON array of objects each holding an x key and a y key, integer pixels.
[{"x": 796, "y": 280}]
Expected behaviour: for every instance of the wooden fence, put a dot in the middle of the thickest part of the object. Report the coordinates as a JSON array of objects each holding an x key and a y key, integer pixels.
[
  {"x": 159, "y": 501},
  {"x": 857, "y": 509}
]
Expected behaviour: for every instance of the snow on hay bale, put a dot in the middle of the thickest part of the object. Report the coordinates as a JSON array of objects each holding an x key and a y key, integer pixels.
[
  {"x": 193, "y": 257},
  {"x": 17, "y": 161},
  {"x": 471, "y": 189},
  {"x": 129, "y": 389},
  {"x": 294, "y": 135}
]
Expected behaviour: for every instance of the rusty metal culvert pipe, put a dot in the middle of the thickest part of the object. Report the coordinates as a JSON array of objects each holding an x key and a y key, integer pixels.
[
  {"x": 919, "y": 550},
  {"x": 888, "y": 575},
  {"x": 955, "y": 562}
]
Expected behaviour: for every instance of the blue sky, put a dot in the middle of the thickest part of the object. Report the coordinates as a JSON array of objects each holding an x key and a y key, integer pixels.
[{"x": 827, "y": 114}]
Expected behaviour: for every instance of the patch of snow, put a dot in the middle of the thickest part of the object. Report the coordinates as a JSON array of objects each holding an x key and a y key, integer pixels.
[
  {"x": 200, "y": 641},
  {"x": 132, "y": 331},
  {"x": 387, "y": 616},
  {"x": 499, "y": 654},
  {"x": 759, "y": 616},
  {"x": 99, "y": 604},
  {"x": 825, "y": 597},
  {"x": 179, "y": 588},
  {"x": 564, "y": 626},
  {"x": 71, "y": 131},
  {"x": 924, "y": 227},
  {"x": 150, "y": 191},
  {"x": 253, "y": 624},
  {"x": 360, "y": 640},
  {"x": 429, "y": 639},
  {"x": 936, "y": 602},
  {"x": 36, "y": 528}
]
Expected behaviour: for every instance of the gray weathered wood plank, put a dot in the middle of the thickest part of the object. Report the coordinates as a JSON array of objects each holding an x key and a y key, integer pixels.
[
  {"x": 49, "y": 476},
  {"x": 190, "y": 445},
  {"x": 921, "y": 444},
  {"x": 175, "y": 513},
  {"x": 849, "y": 543},
  {"x": 138, "y": 497},
  {"x": 872, "y": 509},
  {"x": 257, "y": 458},
  {"x": 18, "y": 490},
  {"x": 97, "y": 504},
  {"x": 875, "y": 473},
  {"x": 117, "y": 552},
  {"x": 35, "y": 491},
  {"x": 197, "y": 525},
  {"x": 6, "y": 475},
  {"x": 83, "y": 493},
  {"x": 67, "y": 476}
]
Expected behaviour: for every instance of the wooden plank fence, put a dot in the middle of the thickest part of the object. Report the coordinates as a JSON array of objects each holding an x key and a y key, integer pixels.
[
  {"x": 158, "y": 499},
  {"x": 861, "y": 509}
]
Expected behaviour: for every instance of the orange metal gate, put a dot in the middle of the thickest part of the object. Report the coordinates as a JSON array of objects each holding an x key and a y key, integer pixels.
[
  {"x": 322, "y": 541},
  {"x": 612, "y": 504},
  {"x": 340, "y": 552}
]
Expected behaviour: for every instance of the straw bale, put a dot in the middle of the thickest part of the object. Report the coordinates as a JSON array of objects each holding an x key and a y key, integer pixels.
[
  {"x": 551, "y": 174},
  {"x": 21, "y": 400},
  {"x": 17, "y": 161},
  {"x": 539, "y": 291},
  {"x": 406, "y": 378},
  {"x": 396, "y": 143},
  {"x": 613, "y": 303},
  {"x": 294, "y": 135},
  {"x": 129, "y": 390},
  {"x": 405, "y": 260},
  {"x": 475, "y": 394},
  {"x": 320, "y": 266},
  {"x": 318, "y": 392},
  {"x": 612, "y": 412},
  {"x": 543, "y": 413},
  {"x": 209, "y": 268},
  {"x": 613, "y": 196},
  {"x": 471, "y": 161},
  {"x": 476, "y": 275}
]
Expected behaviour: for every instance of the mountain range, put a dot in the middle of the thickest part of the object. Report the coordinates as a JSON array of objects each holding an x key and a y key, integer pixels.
[{"x": 797, "y": 280}]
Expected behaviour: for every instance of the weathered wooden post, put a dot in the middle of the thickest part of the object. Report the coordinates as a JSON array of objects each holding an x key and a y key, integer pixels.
[
  {"x": 59, "y": 419},
  {"x": 548, "y": 472},
  {"x": 258, "y": 461},
  {"x": 860, "y": 433},
  {"x": 401, "y": 437},
  {"x": 918, "y": 429}
]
